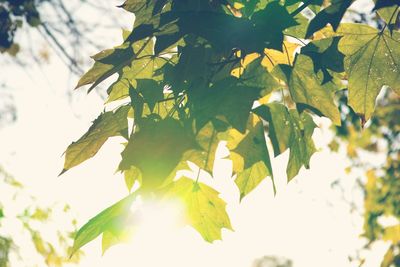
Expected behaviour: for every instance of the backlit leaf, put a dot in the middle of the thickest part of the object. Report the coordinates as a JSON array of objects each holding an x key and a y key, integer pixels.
[
  {"x": 372, "y": 61},
  {"x": 204, "y": 210},
  {"x": 104, "y": 221},
  {"x": 288, "y": 129},
  {"x": 307, "y": 88},
  {"x": 107, "y": 63},
  {"x": 156, "y": 148},
  {"x": 249, "y": 155},
  {"x": 107, "y": 125}
]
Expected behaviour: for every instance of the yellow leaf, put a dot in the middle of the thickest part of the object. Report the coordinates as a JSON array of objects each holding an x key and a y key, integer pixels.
[
  {"x": 274, "y": 57},
  {"x": 237, "y": 5},
  {"x": 264, "y": 100},
  {"x": 237, "y": 72},
  {"x": 392, "y": 233}
]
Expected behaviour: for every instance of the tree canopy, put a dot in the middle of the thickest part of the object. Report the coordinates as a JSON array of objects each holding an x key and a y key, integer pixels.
[{"x": 194, "y": 73}]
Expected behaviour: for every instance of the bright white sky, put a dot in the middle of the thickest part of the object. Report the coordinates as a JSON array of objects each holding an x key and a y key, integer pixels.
[{"x": 307, "y": 221}]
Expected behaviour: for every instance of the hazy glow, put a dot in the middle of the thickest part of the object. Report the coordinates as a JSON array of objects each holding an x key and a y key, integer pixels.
[{"x": 308, "y": 221}]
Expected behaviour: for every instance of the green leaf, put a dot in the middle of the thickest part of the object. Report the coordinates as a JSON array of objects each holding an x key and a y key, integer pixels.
[
  {"x": 372, "y": 61},
  {"x": 191, "y": 70},
  {"x": 386, "y": 3},
  {"x": 390, "y": 15},
  {"x": 118, "y": 90},
  {"x": 326, "y": 56},
  {"x": 207, "y": 140},
  {"x": 307, "y": 88},
  {"x": 107, "y": 125},
  {"x": 229, "y": 98},
  {"x": 132, "y": 176},
  {"x": 104, "y": 221},
  {"x": 269, "y": 23},
  {"x": 156, "y": 148},
  {"x": 151, "y": 91},
  {"x": 249, "y": 155},
  {"x": 332, "y": 14},
  {"x": 145, "y": 66},
  {"x": 288, "y": 129},
  {"x": 205, "y": 211},
  {"x": 107, "y": 63},
  {"x": 134, "y": 5},
  {"x": 119, "y": 230},
  {"x": 255, "y": 75},
  {"x": 263, "y": 30}
]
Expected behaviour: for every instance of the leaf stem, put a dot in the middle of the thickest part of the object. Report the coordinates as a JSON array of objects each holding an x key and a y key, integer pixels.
[{"x": 390, "y": 20}]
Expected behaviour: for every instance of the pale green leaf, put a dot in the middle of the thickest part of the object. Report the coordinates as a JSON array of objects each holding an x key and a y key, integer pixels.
[
  {"x": 307, "y": 88},
  {"x": 156, "y": 149},
  {"x": 204, "y": 210},
  {"x": 288, "y": 129},
  {"x": 132, "y": 175},
  {"x": 106, "y": 220},
  {"x": 372, "y": 61},
  {"x": 107, "y": 125},
  {"x": 249, "y": 155},
  {"x": 107, "y": 63}
]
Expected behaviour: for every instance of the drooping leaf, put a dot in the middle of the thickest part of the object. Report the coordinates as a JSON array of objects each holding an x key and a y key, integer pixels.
[
  {"x": 104, "y": 221},
  {"x": 332, "y": 14},
  {"x": 372, "y": 61},
  {"x": 307, "y": 88},
  {"x": 288, "y": 129},
  {"x": 204, "y": 210},
  {"x": 249, "y": 155},
  {"x": 107, "y": 125},
  {"x": 107, "y": 63}
]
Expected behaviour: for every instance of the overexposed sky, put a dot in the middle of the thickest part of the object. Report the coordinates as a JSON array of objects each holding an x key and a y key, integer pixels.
[{"x": 307, "y": 221}]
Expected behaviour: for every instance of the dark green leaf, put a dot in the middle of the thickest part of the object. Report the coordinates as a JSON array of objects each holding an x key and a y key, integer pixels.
[
  {"x": 385, "y": 3},
  {"x": 156, "y": 148},
  {"x": 228, "y": 98},
  {"x": 332, "y": 14}
]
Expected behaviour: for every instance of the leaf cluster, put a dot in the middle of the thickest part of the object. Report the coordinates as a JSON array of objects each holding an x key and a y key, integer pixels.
[{"x": 193, "y": 73}]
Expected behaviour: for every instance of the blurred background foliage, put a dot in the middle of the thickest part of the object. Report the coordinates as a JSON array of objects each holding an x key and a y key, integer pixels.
[
  {"x": 28, "y": 228},
  {"x": 380, "y": 182}
]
